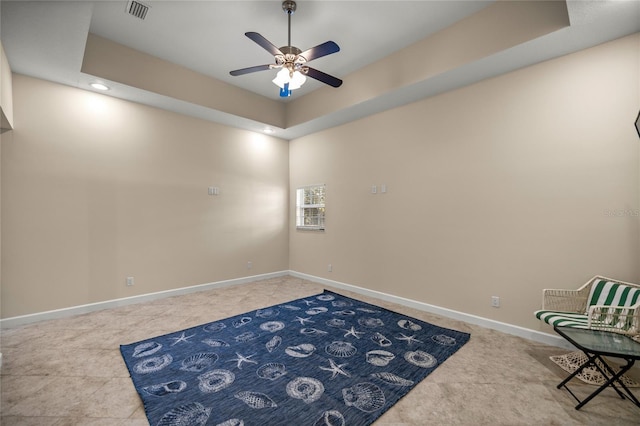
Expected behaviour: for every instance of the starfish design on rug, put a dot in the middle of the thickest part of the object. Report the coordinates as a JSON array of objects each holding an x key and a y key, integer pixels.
[
  {"x": 335, "y": 369},
  {"x": 353, "y": 332},
  {"x": 241, "y": 358},
  {"x": 182, "y": 338},
  {"x": 408, "y": 339},
  {"x": 309, "y": 302},
  {"x": 303, "y": 321}
]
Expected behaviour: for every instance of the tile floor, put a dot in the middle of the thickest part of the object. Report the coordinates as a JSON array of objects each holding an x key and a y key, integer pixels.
[{"x": 69, "y": 371}]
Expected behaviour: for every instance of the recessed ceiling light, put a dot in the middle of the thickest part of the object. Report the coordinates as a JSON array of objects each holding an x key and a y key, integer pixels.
[
  {"x": 99, "y": 86},
  {"x": 268, "y": 130}
]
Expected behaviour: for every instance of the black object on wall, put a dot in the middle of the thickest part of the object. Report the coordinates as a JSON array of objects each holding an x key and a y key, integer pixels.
[{"x": 638, "y": 124}]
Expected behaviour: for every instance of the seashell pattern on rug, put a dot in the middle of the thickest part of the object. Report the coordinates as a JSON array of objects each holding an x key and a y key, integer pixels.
[
  {"x": 291, "y": 307},
  {"x": 267, "y": 313},
  {"x": 241, "y": 322},
  {"x": 392, "y": 379},
  {"x": 364, "y": 396},
  {"x": 341, "y": 349},
  {"x": 345, "y": 313},
  {"x": 273, "y": 343},
  {"x": 192, "y": 414},
  {"x": 214, "y": 327},
  {"x": 322, "y": 360},
  {"x": 444, "y": 340},
  {"x": 216, "y": 343},
  {"x": 245, "y": 337},
  {"x": 256, "y": 400},
  {"x": 232, "y": 422},
  {"x": 330, "y": 418},
  {"x": 146, "y": 349},
  {"x": 420, "y": 359},
  {"x": 198, "y": 362},
  {"x": 379, "y": 358},
  {"x": 215, "y": 380},
  {"x": 325, "y": 297},
  {"x": 381, "y": 340},
  {"x": 316, "y": 310},
  {"x": 409, "y": 325},
  {"x": 370, "y": 322},
  {"x": 271, "y": 371},
  {"x": 307, "y": 389},
  {"x": 154, "y": 364},
  {"x": 162, "y": 389},
  {"x": 272, "y": 326},
  {"x": 300, "y": 351},
  {"x": 336, "y": 323}
]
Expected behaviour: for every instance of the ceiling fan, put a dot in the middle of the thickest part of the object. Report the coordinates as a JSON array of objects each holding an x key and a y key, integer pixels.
[{"x": 292, "y": 60}]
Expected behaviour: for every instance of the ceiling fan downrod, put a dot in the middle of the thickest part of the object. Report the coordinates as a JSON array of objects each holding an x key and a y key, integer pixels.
[{"x": 289, "y": 6}]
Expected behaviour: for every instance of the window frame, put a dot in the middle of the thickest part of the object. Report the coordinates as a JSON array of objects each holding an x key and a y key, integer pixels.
[{"x": 301, "y": 207}]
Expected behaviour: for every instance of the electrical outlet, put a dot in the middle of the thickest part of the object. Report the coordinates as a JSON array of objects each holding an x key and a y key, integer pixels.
[
  {"x": 249, "y": 265},
  {"x": 495, "y": 301},
  {"x": 130, "y": 281},
  {"x": 329, "y": 268}
]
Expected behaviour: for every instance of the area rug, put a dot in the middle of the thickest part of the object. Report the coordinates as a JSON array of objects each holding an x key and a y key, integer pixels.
[{"x": 321, "y": 360}]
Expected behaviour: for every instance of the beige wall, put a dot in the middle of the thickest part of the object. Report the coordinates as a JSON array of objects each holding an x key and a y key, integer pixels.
[
  {"x": 95, "y": 189},
  {"x": 6, "y": 123},
  {"x": 503, "y": 188},
  {"x": 6, "y": 95}
]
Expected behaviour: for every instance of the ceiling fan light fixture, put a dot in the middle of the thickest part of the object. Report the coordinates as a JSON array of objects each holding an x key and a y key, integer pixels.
[{"x": 295, "y": 80}]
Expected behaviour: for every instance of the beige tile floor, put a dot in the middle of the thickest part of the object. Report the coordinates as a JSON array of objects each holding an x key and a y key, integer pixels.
[{"x": 69, "y": 371}]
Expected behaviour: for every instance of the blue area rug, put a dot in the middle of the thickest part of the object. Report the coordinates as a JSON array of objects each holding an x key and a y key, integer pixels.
[{"x": 322, "y": 360}]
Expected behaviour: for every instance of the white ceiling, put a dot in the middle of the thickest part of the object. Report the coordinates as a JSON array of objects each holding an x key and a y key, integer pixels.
[{"x": 46, "y": 39}]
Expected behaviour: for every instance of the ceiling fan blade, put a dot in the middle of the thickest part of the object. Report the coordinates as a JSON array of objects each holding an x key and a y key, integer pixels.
[
  {"x": 264, "y": 43},
  {"x": 324, "y": 49},
  {"x": 243, "y": 71},
  {"x": 323, "y": 77}
]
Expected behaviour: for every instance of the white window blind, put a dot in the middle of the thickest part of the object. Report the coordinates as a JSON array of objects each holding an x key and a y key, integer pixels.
[{"x": 310, "y": 205}]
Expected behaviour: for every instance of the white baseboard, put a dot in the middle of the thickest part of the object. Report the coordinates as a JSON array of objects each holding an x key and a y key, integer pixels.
[
  {"x": 536, "y": 336},
  {"x": 91, "y": 307},
  {"x": 515, "y": 330}
]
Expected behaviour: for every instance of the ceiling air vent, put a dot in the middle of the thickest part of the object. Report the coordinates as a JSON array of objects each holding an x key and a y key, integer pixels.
[{"x": 137, "y": 9}]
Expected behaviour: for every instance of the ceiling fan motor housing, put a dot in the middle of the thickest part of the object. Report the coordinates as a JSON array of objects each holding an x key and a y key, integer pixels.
[{"x": 289, "y": 6}]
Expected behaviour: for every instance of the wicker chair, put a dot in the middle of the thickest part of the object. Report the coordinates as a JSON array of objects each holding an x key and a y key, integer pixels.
[{"x": 603, "y": 304}]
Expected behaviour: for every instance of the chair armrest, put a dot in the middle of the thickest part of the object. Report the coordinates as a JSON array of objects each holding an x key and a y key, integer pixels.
[
  {"x": 619, "y": 319},
  {"x": 562, "y": 300}
]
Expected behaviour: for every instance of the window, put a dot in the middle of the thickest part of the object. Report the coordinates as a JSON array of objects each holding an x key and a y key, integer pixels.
[{"x": 310, "y": 207}]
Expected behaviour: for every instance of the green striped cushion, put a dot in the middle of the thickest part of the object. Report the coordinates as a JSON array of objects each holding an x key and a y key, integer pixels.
[
  {"x": 610, "y": 293},
  {"x": 563, "y": 319}
]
